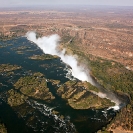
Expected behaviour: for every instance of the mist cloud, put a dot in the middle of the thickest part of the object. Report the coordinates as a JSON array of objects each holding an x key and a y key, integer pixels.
[{"x": 49, "y": 45}]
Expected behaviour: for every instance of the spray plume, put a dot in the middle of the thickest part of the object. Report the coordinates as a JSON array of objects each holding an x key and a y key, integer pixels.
[{"x": 49, "y": 45}]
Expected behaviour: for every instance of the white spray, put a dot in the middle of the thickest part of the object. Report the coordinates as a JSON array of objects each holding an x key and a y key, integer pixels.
[{"x": 49, "y": 45}]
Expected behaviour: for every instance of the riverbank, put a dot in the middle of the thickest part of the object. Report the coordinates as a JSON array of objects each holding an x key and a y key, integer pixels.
[{"x": 115, "y": 78}]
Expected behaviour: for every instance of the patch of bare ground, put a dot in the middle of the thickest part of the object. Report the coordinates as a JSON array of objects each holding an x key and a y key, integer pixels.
[{"x": 119, "y": 130}]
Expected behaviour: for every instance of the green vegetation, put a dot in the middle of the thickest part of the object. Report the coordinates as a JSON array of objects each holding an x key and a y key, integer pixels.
[
  {"x": 113, "y": 76},
  {"x": 30, "y": 86},
  {"x": 3, "y": 128},
  {"x": 19, "y": 52},
  {"x": 79, "y": 96},
  {"x": 110, "y": 74},
  {"x": 104, "y": 131},
  {"x": 67, "y": 39},
  {"x": 34, "y": 86},
  {"x": 23, "y": 48},
  {"x": 38, "y": 74},
  {"x": 43, "y": 57},
  {"x": 7, "y": 37},
  {"x": 8, "y": 67},
  {"x": 90, "y": 87},
  {"x": 54, "y": 82},
  {"x": 15, "y": 98}
]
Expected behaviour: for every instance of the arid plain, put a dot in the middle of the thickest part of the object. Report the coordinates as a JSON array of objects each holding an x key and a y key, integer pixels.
[{"x": 106, "y": 32}]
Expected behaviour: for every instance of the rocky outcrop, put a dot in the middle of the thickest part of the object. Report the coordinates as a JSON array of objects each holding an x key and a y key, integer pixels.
[
  {"x": 79, "y": 96},
  {"x": 8, "y": 67},
  {"x": 34, "y": 86},
  {"x": 15, "y": 98},
  {"x": 123, "y": 120}
]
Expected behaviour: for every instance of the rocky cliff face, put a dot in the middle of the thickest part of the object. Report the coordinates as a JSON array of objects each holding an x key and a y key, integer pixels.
[
  {"x": 79, "y": 95},
  {"x": 103, "y": 43},
  {"x": 123, "y": 120}
]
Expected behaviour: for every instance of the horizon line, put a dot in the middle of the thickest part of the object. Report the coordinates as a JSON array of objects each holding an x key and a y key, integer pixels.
[{"x": 59, "y": 5}]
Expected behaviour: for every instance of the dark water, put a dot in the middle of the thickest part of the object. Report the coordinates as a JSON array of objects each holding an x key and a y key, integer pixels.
[{"x": 38, "y": 117}]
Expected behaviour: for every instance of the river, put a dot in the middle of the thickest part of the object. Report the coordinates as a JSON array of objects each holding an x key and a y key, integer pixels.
[{"x": 82, "y": 121}]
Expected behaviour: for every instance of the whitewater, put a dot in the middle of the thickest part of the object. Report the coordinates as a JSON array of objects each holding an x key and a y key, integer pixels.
[{"x": 49, "y": 45}]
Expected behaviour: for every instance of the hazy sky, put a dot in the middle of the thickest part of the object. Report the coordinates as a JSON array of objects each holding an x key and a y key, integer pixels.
[{"x": 7, "y": 3}]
